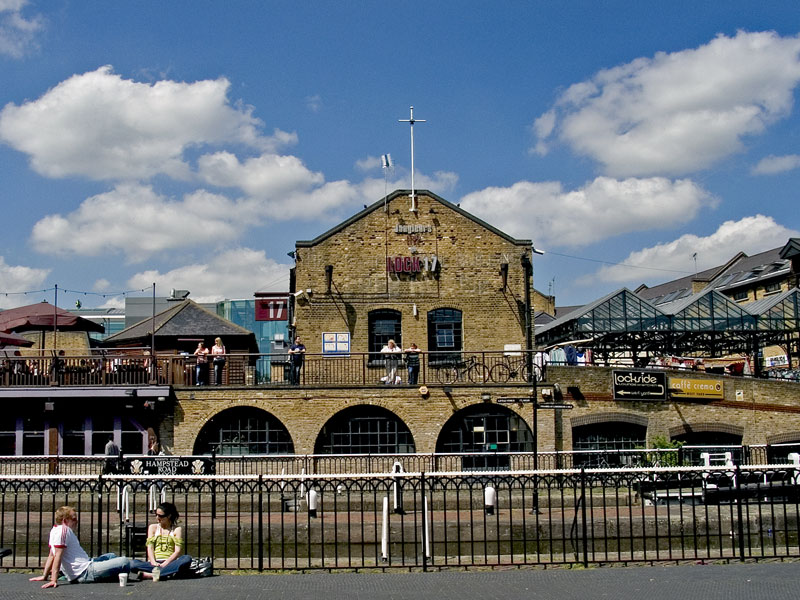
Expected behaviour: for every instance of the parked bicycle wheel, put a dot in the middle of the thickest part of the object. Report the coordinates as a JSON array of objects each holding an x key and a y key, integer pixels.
[
  {"x": 446, "y": 374},
  {"x": 479, "y": 373},
  {"x": 500, "y": 373}
]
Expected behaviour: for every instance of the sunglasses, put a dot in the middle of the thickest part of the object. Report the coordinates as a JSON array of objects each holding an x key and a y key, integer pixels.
[{"x": 160, "y": 515}]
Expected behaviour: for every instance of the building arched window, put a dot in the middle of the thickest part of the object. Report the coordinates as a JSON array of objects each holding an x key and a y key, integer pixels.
[
  {"x": 601, "y": 437},
  {"x": 364, "y": 430},
  {"x": 482, "y": 431},
  {"x": 244, "y": 430},
  {"x": 445, "y": 340},
  {"x": 384, "y": 325}
]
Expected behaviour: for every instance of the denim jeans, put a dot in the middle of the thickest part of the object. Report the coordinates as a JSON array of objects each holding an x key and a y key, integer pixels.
[
  {"x": 105, "y": 568},
  {"x": 180, "y": 563},
  {"x": 413, "y": 374}
]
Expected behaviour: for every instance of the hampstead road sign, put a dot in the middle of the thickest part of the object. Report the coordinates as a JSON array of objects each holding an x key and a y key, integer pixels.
[{"x": 640, "y": 385}]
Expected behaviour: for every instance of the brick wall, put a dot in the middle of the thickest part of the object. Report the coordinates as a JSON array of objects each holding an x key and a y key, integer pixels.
[
  {"x": 768, "y": 412},
  {"x": 468, "y": 276}
]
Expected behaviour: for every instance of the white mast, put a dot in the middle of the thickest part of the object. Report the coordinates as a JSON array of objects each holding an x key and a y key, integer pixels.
[{"x": 411, "y": 121}]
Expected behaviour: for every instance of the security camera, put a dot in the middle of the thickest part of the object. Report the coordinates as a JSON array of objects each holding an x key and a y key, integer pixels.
[{"x": 298, "y": 293}]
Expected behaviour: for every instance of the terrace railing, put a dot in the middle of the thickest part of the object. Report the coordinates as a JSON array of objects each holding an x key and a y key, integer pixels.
[
  {"x": 137, "y": 367},
  {"x": 423, "y": 520}
]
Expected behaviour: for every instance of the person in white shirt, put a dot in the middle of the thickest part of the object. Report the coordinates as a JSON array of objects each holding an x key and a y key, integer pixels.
[
  {"x": 391, "y": 354},
  {"x": 67, "y": 556}
]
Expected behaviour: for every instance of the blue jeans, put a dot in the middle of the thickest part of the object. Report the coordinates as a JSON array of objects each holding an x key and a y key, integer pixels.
[
  {"x": 179, "y": 564},
  {"x": 105, "y": 568}
]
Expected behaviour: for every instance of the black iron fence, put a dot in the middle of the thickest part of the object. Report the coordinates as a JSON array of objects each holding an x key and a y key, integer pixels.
[
  {"x": 427, "y": 520},
  {"x": 323, "y": 464},
  {"x": 137, "y": 367}
]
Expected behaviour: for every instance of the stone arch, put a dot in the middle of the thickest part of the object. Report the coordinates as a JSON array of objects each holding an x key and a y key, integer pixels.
[
  {"x": 706, "y": 427},
  {"x": 784, "y": 438},
  {"x": 607, "y": 417},
  {"x": 243, "y": 429},
  {"x": 364, "y": 429},
  {"x": 485, "y": 428}
]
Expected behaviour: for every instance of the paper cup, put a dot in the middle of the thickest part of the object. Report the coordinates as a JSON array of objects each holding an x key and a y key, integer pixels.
[{"x": 123, "y": 579}]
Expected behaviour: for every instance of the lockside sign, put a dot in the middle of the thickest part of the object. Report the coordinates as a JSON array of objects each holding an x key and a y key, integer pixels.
[{"x": 640, "y": 385}]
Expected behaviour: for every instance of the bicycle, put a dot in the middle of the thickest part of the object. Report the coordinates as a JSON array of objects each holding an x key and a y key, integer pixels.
[
  {"x": 470, "y": 369},
  {"x": 507, "y": 370}
]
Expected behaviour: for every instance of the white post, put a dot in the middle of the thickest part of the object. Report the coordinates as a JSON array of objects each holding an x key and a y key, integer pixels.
[
  {"x": 385, "y": 530},
  {"x": 427, "y": 525},
  {"x": 312, "y": 503},
  {"x": 411, "y": 121},
  {"x": 489, "y": 499}
]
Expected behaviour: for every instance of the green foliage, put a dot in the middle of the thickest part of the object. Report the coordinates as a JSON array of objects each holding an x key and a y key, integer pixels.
[{"x": 664, "y": 459}]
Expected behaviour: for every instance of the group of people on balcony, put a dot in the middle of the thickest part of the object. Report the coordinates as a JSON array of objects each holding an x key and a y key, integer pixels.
[
  {"x": 391, "y": 355},
  {"x": 218, "y": 359}
]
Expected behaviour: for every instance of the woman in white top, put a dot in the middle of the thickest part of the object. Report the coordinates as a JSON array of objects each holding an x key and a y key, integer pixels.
[
  {"x": 218, "y": 358},
  {"x": 391, "y": 354}
]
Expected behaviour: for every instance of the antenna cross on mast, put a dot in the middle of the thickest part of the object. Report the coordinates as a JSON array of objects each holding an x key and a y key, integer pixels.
[{"x": 411, "y": 121}]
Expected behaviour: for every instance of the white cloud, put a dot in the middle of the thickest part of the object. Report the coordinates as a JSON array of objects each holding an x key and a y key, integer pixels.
[
  {"x": 104, "y": 127},
  {"x": 136, "y": 221},
  {"x": 314, "y": 103},
  {"x": 604, "y": 208},
  {"x": 15, "y": 279},
  {"x": 266, "y": 176},
  {"x": 231, "y": 274},
  {"x": 750, "y": 235},
  {"x": 17, "y": 34},
  {"x": 101, "y": 285},
  {"x": 680, "y": 112},
  {"x": 772, "y": 165},
  {"x": 369, "y": 163},
  {"x": 114, "y": 302}
]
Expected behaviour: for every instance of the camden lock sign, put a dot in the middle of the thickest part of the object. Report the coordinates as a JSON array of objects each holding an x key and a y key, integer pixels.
[{"x": 639, "y": 385}]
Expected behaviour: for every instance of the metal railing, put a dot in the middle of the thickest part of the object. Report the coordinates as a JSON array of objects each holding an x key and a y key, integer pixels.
[
  {"x": 427, "y": 520},
  {"x": 324, "y": 464},
  {"x": 135, "y": 367}
]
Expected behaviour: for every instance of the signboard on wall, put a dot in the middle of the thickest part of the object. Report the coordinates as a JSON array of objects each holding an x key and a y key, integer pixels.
[
  {"x": 168, "y": 465},
  {"x": 685, "y": 387},
  {"x": 272, "y": 309},
  {"x": 336, "y": 343},
  {"x": 639, "y": 385}
]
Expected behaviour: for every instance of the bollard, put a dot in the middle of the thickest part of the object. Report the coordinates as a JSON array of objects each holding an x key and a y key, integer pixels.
[
  {"x": 489, "y": 499},
  {"x": 312, "y": 503}
]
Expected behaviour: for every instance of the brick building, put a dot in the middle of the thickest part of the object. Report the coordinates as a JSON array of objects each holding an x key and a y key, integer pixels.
[{"x": 436, "y": 276}]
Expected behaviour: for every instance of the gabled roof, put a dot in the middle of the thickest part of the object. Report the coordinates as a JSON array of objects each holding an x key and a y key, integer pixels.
[
  {"x": 619, "y": 311},
  {"x": 708, "y": 310},
  {"x": 185, "y": 319},
  {"x": 791, "y": 249},
  {"x": 397, "y": 193}
]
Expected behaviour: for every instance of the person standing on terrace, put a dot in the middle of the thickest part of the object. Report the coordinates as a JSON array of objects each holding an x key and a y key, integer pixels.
[
  {"x": 218, "y": 353},
  {"x": 201, "y": 370},
  {"x": 297, "y": 353}
]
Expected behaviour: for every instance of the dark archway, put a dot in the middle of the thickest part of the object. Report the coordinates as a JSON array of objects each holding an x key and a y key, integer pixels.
[
  {"x": 244, "y": 430},
  {"x": 486, "y": 429},
  {"x": 364, "y": 429},
  {"x": 593, "y": 441}
]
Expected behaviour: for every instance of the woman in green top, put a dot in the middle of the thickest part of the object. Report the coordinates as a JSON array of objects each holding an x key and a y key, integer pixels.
[{"x": 164, "y": 545}]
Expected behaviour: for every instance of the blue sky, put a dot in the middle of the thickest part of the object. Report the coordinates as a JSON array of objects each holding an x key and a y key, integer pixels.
[{"x": 190, "y": 143}]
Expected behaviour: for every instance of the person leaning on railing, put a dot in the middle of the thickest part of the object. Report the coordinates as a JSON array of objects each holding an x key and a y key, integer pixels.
[{"x": 218, "y": 353}]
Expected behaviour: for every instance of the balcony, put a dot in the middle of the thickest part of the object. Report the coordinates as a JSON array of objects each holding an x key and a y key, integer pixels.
[{"x": 138, "y": 368}]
